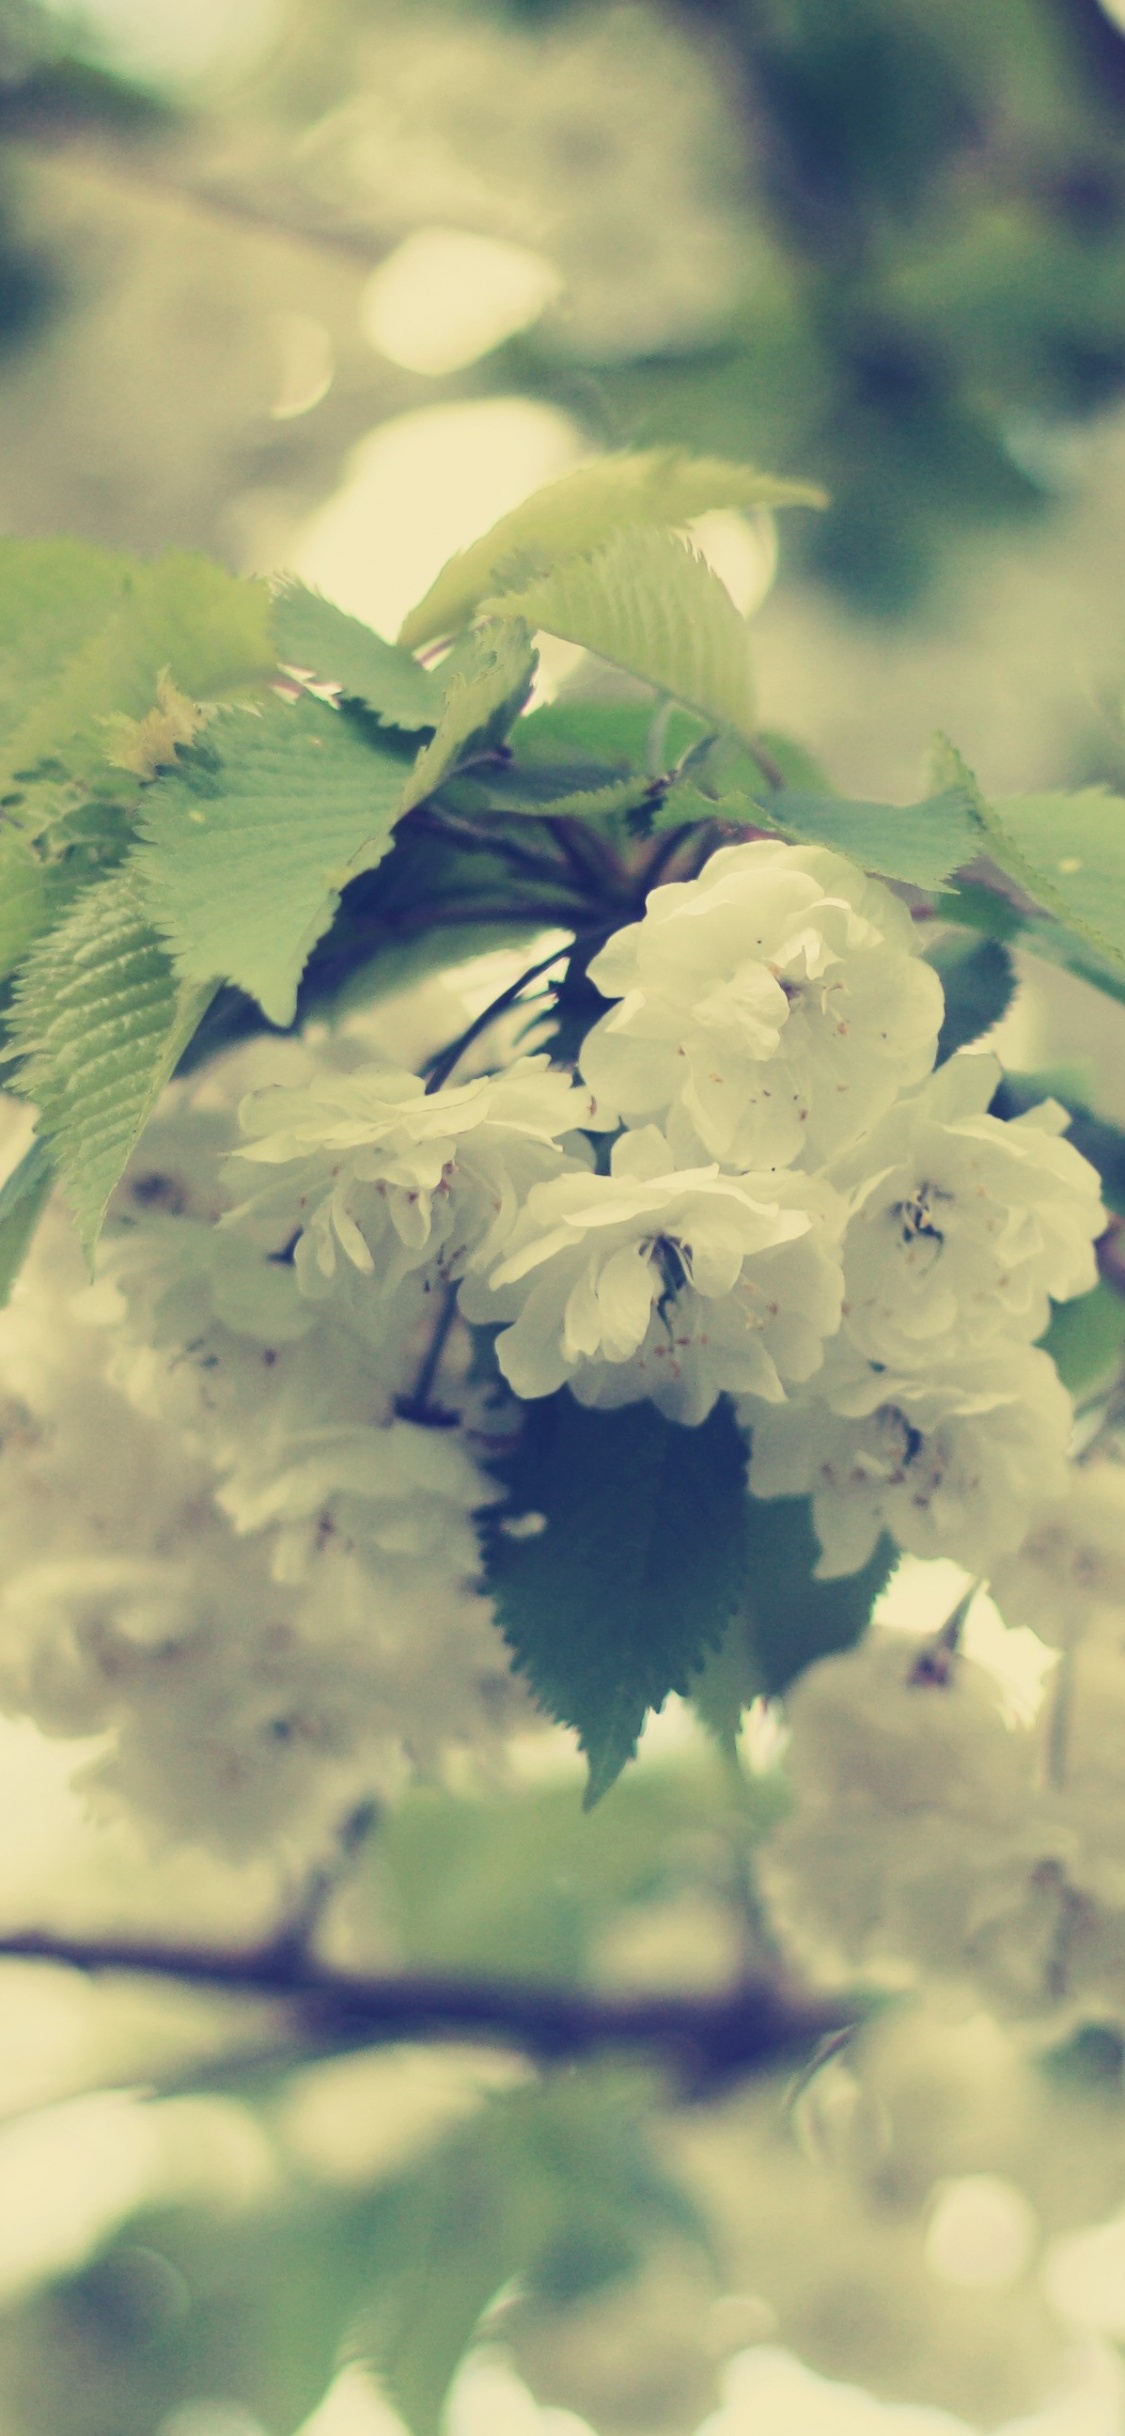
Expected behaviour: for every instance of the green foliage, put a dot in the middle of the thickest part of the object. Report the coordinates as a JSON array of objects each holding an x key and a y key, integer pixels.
[
  {"x": 979, "y": 981},
  {"x": 922, "y": 843},
  {"x": 100, "y": 1020},
  {"x": 578, "y": 513},
  {"x": 647, "y": 602},
  {"x": 785, "y": 1619},
  {"x": 613, "y": 1604},
  {"x": 84, "y": 634},
  {"x": 312, "y": 635},
  {"x": 1086, "y": 1341},
  {"x": 529, "y": 1888},
  {"x": 23, "y": 900},
  {"x": 555, "y": 2184},
  {"x": 1068, "y": 851},
  {"x": 486, "y": 693},
  {"x": 252, "y": 2304},
  {"x": 252, "y": 837},
  {"x": 23, "y": 1198}
]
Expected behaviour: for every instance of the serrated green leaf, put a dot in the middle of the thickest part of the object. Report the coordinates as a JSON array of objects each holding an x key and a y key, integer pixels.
[
  {"x": 978, "y": 978},
  {"x": 23, "y": 901},
  {"x": 485, "y": 695},
  {"x": 53, "y": 596},
  {"x": 660, "y": 486},
  {"x": 251, "y": 839},
  {"x": 613, "y": 1604},
  {"x": 23, "y": 1198},
  {"x": 312, "y": 634},
  {"x": 923, "y": 843},
  {"x": 100, "y": 1019},
  {"x": 85, "y": 634},
  {"x": 1068, "y": 851},
  {"x": 650, "y": 604}
]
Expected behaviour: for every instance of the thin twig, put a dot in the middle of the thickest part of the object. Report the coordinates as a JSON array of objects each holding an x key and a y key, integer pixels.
[
  {"x": 771, "y": 772},
  {"x": 746, "y": 2028},
  {"x": 417, "y": 1406},
  {"x": 444, "y": 1064}
]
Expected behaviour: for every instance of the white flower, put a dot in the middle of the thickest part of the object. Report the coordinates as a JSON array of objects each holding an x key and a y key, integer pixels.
[
  {"x": 396, "y": 1178},
  {"x": 397, "y": 1492},
  {"x": 951, "y": 1461},
  {"x": 965, "y": 1227},
  {"x": 660, "y": 1282},
  {"x": 774, "y": 1007},
  {"x": 768, "y": 2392},
  {"x": 1067, "y": 1579}
]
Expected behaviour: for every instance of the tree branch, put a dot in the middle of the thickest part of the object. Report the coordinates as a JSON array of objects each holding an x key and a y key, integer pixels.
[{"x": 707, "y": 2038}]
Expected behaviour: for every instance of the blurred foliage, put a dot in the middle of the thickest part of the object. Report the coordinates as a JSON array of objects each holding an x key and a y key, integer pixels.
[
  {"x": 934, "y": 279},
  {"x": 531, "y": 1888}
]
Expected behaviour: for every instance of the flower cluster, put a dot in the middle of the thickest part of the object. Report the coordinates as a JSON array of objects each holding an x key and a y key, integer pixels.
[
  {"x": 795, "y": 1209},
  {"x": 225, "y": 1556},
  {"x": 755, "y": 1186},
  {"x": 933, "y": 1836}
]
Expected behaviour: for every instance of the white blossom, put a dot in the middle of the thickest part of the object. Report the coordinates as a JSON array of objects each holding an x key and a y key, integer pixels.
[
  {"x": 950, "y": 1460},
  {"x": 221, "y": 1555},
  {"x": 771, "y": 1009},
  {"x": 394, "y": 1178},
  {"x": 964, "y": 1228},
  {"x": 662, "y": 1282},
  {"x": 1066, "y": 1581}
]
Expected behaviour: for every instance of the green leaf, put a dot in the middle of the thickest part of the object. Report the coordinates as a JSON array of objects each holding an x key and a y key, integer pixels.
[
  {"x": 612, "y": 1605},
  {"x": 84, "y": 634},
  {"x": 486, "y": 693},
  {"x": 649, "y": 603},
  {"x": 100, "y": 1019},
  {"x": 312, "y": 633},
  {"x": 1068, "y": 851},
  {"x": 791, "y": 1619},
  {"x": 922, "y": 843},
  {"x": 979, "y": 980},
  {"x": 529, "y": 1888},
  {"x": 23, "y": 900},
  {"x": 555, "y": 2184},
  {"x": 1086, "y": 1341},
  {"x": 661, "y": 486},
  {"x": 23, "y": 1198},
  {"x": 251, "y": 839},
  {"x": 469, "y": 2222},
  {"x": 797, "y": 766},
  {"x": 784, "y": 1620}
]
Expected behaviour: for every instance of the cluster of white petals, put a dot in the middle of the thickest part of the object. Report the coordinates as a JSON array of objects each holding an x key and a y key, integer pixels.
[
  {"x": 797, "y": 1211},
  {"x": 397, "y": 1180},
  {"x": 935, "y": 1836},
  {"x": 758, "y": 1188},
  {"x": 964, "y": 1229},
  {"x": 769, "y": 1011},
  {"x": 665, "y": 1282},
  {"x": 948, "y": 1459},
  {"x": 226, "y": 1557}
]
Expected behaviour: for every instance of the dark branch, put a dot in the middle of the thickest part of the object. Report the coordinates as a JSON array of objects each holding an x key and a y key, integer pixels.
[
  {"x": 707, "y": 2039},
  {"x": 450, "y": 1057}
]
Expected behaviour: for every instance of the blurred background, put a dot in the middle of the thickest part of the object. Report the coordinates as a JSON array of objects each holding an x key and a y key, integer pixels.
[{"x": 328, "y": 285}]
